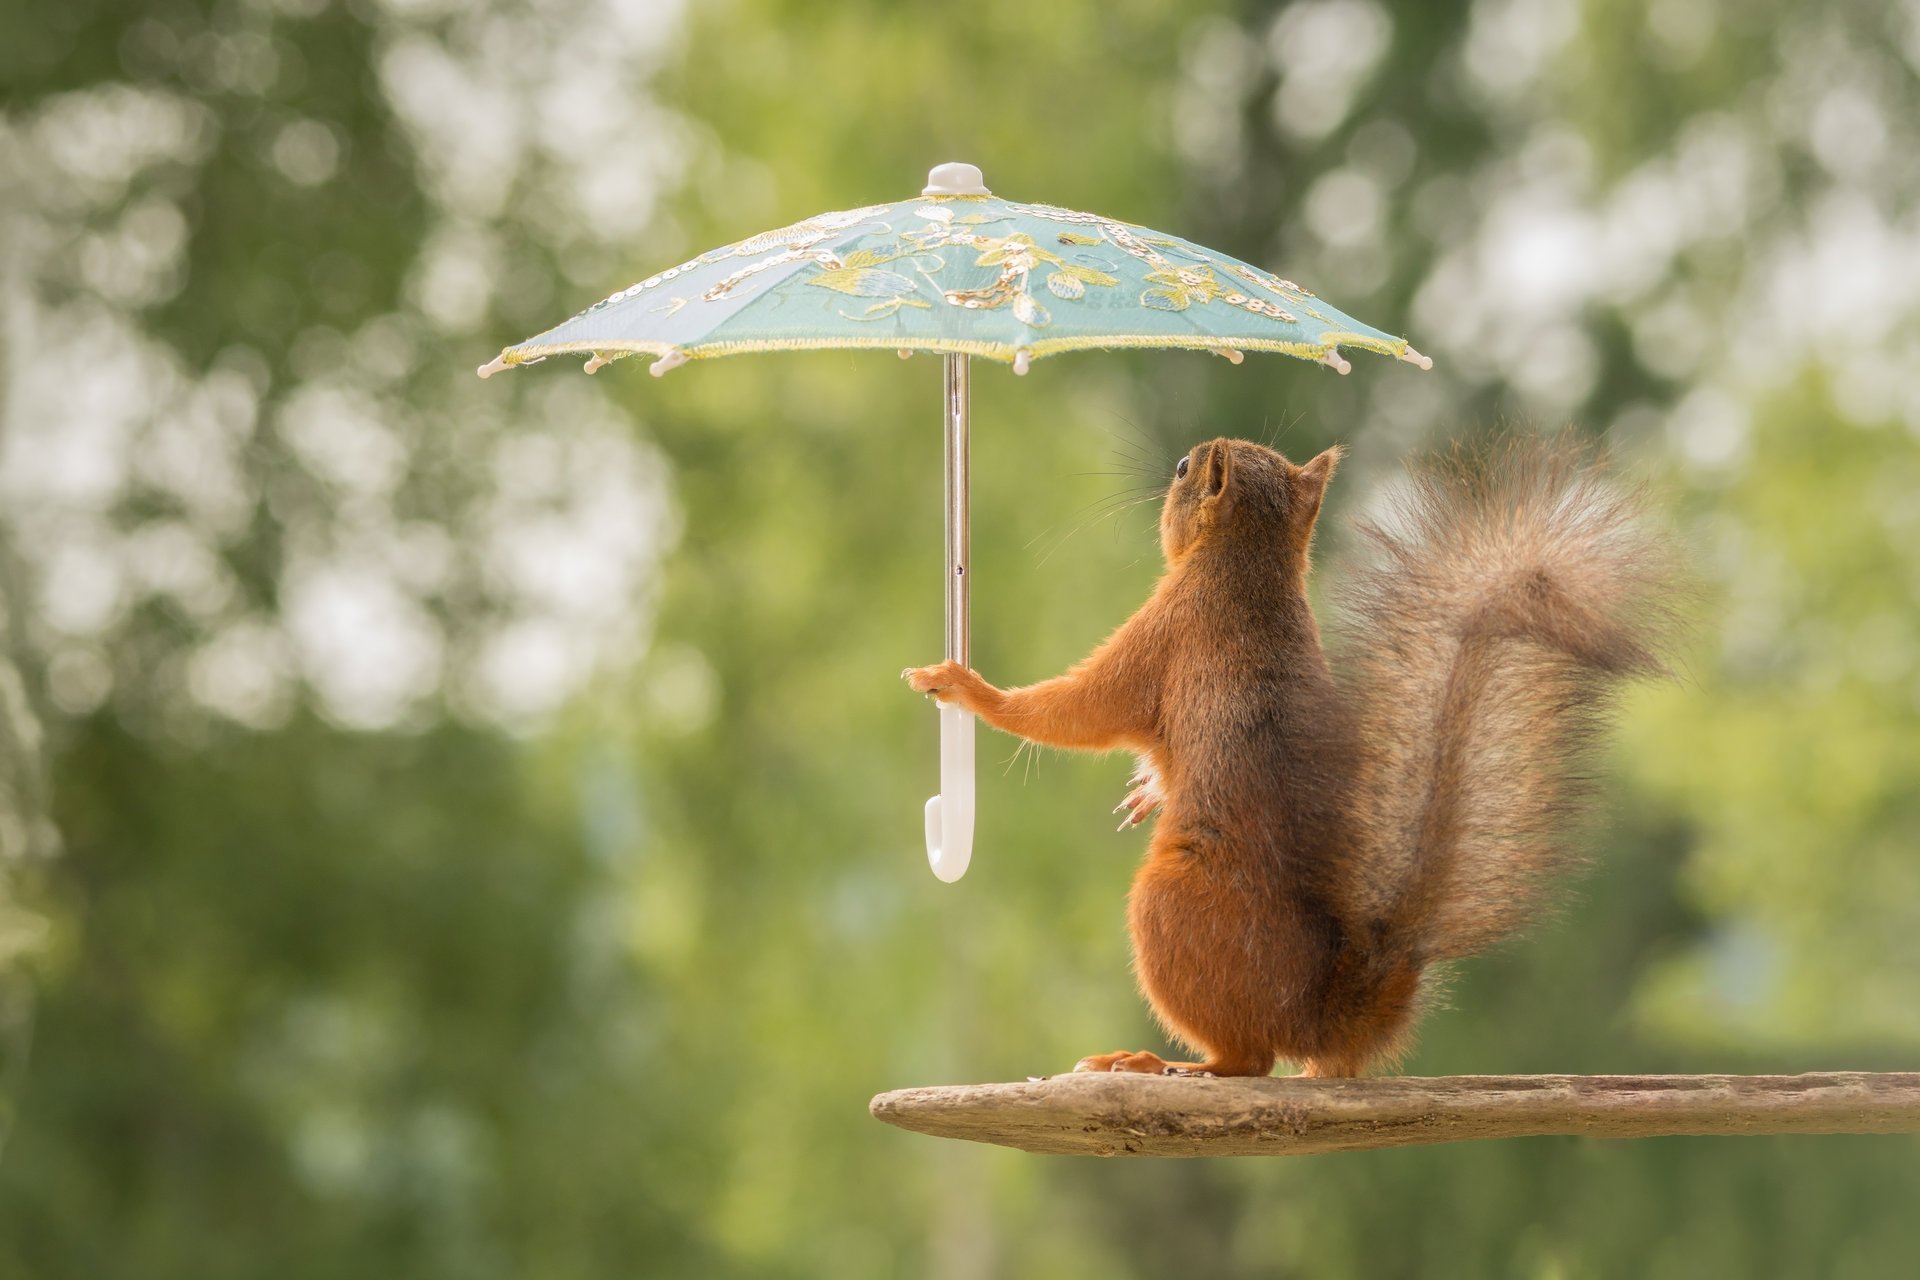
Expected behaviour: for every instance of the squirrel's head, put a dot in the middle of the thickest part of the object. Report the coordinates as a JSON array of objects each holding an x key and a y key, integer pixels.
[{"x": 1244, "y": 494}]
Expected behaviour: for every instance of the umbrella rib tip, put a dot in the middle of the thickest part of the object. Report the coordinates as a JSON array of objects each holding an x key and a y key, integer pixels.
[
  {"x": 597, "y": 362},
  {"x": 669, "y": 360},
  {"x": 493, "y": 366},
  {"x": 1414, "y": 357},
  {"x": 1022, "y": 361},
  {"x": 1335, "y": 361}
]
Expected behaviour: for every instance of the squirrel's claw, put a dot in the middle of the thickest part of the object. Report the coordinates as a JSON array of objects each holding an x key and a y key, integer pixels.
[
  {"x": 935, "y": 679},
  {"x": 1145, "y": 795},
  {"x": 1139, "y": 805}
]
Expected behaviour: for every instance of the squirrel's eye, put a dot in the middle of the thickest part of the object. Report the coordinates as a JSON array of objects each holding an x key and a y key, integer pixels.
[{"x": 1180, "y": 472}]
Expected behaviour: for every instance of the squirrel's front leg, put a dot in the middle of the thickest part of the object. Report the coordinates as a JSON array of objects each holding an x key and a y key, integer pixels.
[
  {"x": 956, "y": 683},
  {"x": 1072, "y": 710}
]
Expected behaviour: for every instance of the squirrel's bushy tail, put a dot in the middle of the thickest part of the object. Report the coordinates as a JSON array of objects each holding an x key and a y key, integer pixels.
[{"x": 1507, "y": 593}]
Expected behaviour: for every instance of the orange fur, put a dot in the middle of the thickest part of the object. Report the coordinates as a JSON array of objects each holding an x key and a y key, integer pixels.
[{"x": 1322, "y": 842}]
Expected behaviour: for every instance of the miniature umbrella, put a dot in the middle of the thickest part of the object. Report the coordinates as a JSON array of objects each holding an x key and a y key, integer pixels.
[{"x": 959, "y": 272}]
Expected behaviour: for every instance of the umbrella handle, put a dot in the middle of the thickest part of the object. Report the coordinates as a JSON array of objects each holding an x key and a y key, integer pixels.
[{"x": 950, "y": 814}]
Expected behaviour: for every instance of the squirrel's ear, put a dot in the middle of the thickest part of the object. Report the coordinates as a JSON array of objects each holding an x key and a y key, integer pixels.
[
  {"x": 1313, "y": 480},
  {"x": 1320, "y": 468},
  {"x": 1219, "y": 467}
]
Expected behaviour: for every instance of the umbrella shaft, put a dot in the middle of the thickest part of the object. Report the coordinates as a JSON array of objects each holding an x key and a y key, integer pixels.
[{"x": 958, "y": 467}]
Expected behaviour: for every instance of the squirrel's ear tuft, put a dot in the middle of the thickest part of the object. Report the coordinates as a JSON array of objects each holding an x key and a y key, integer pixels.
[{"x": 1219, "y": 468}]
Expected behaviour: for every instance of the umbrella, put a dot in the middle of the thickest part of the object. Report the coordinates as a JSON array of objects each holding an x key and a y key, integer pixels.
[{"x": 958, "y": 272}]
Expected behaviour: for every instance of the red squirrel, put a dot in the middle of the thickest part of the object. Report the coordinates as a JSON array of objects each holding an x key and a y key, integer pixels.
[{"x": 1327, "y": 838}]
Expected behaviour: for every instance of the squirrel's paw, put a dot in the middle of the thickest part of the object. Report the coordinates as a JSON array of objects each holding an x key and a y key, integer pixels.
[
  {"x": 1145, "y": 797},
  {"x": 1141, "y": 1063},
  {"x": 1138, "y": 806},
  {"x": 936, "y": 680}
]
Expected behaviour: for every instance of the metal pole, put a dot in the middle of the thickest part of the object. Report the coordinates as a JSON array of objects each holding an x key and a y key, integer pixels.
[{"x": 959, "y": 510}]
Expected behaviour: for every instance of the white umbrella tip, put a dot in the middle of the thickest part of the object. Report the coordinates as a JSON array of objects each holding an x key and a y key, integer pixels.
[
  {"x": 670, "y": 360},
  {"x": 956, "y": 179},
  {"x": 1022, "y": 361},
  {"x": 1335, "y": 361},
  {"x": 493, "y": 366},
  {"x": 1414, "y": 357}
]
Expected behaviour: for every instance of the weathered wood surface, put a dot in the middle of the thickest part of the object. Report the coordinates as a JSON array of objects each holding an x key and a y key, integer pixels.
[{"x": 1114, "y": 1114}]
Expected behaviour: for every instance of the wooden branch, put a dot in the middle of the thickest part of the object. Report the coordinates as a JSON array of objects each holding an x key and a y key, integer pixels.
[{"x": 1115, "y": 1114}]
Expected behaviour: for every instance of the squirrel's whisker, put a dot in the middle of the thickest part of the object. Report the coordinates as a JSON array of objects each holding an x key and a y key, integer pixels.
[{"x": 1115, "y": 508}]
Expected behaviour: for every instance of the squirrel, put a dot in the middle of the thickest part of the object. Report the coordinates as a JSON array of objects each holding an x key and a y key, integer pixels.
[{"x": 1329, "y": 840}]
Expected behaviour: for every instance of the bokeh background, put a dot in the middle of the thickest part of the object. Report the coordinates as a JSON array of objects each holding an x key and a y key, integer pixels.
[{"x": 472, "y": 830}]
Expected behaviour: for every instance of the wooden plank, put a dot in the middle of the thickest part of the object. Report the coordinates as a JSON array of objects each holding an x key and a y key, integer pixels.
[{"x": 1117, "y": 1114}]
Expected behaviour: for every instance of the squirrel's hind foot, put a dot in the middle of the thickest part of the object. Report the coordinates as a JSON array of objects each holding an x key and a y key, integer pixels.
[
  {"x": 1332, "y": 1068},
  {"x": 1141, "y": 1063},
  {"x": 1144, "y": 1063}
]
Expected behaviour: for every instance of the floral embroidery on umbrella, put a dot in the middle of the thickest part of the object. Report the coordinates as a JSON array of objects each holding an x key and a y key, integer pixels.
[
  {"x": 1267, "y": 280},
  {"x": 1180, "y": 287},
  {"x": 863, "y": 274},
  {"x": 797, "y": 237},
  {"x": 807, "y": 231},
  {"x": 797, "y": 253},
  {"x": 1017, "y": 256}
]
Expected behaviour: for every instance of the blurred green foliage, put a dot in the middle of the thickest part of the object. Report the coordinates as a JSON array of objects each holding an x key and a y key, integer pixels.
[{"x": 340, "y": 979}]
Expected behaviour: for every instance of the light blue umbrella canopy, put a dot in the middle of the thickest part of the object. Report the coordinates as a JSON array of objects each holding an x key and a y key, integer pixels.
[{"x": 960, "y": 272}]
